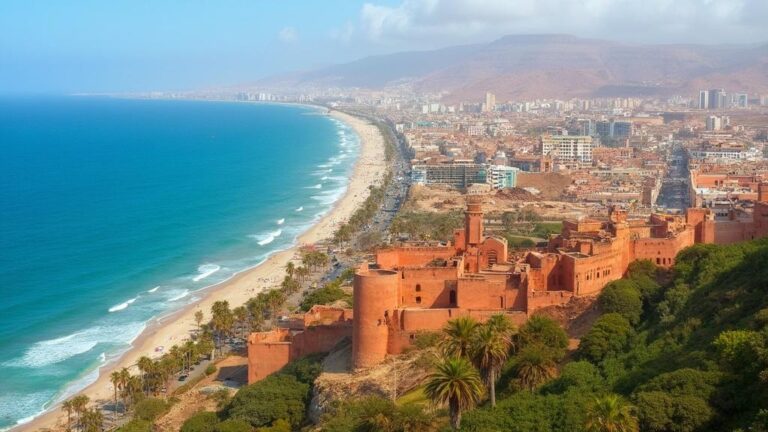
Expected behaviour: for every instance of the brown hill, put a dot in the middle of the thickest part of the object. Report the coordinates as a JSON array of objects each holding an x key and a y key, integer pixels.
[{"x": 552, "y": 66}]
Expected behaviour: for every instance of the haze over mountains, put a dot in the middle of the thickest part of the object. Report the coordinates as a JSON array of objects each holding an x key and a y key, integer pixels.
[{"x": 530, "y": 66}]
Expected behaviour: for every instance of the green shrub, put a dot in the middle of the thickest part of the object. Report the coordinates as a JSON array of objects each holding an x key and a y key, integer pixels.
[
  {"x": 543, "y": 331},
  {"x": 426, "y": 339},
  {"x": 205, "y": 421},
  {"x": 326, "y": 295},
  {"x": 136, "y": 425},
  {"x": 278, "y": 396},
  {"x": 234, "y": 426},
  {"x": 278, "y": 426},
  {"x": 150, "y": 409},
  {"x": 579, "y": 375},
  {"x": 623, "y": 297},
  {"x": 608, "y": 336},
  {"x": 659, "y": 411},
  {"x": 210, "y": 369},
  {"x": 306, "y": 369}
]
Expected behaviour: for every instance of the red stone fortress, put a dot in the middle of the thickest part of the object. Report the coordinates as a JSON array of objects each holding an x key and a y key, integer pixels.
[{"x": 419, "y": 287}]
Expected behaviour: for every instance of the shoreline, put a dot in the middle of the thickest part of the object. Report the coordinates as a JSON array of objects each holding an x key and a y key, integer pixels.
[{"x": 174, "y": 327}]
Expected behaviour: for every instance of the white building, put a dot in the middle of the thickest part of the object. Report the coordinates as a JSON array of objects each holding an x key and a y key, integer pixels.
[
  {"x": 502, "y": 176},
  {"x": 570, "y": 148}
]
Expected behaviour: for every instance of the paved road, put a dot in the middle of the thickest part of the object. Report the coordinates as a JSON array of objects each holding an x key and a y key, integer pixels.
[{"x": 674, "y": 190}]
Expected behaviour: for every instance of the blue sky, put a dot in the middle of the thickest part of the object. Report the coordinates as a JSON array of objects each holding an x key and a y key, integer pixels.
[{"x": 118, "y": 45}]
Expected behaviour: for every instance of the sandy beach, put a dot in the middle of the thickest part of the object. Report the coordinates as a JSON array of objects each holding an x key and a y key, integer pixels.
[{"x": 175, "y": 328}]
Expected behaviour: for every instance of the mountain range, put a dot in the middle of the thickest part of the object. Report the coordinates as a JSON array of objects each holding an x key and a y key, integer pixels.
[{"x": 541, "y": 66}]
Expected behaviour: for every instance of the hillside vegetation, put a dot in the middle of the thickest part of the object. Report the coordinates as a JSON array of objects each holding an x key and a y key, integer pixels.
[{"x": 688, "y": 355}]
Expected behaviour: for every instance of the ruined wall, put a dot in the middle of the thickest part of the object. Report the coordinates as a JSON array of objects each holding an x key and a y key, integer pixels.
[
  {"x": 493, "y": 251},
  {"x": 540, "y": 299}
]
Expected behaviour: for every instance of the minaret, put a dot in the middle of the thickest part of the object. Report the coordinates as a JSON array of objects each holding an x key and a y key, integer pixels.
[{"x": 473, "y": 221}]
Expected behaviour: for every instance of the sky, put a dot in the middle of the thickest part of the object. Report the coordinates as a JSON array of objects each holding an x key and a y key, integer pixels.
[{"x": 71, "y": 46}]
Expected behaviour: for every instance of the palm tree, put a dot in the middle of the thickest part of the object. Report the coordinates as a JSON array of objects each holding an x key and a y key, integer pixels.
[
  {"x": 290, "y": 269},
  {"x": 78, "y": 406},
  {"x": 611, "y": 413},
  {"x": 222, "y": 319},
  {"x": 133, "y": 388},
  {"x": 501, "y": 324},
  {"x": 67, "y": 406},
  {"x": 145, "y": 367},
  {"x": 534, "y": 367},
  {"x": 198, "y": 319},
  {"x": 125, "y": 378},
  {"x": 93, "y": 420},
  {"x": 489, "y": 352},
  {"x": 302, "y": 273},
  {"x": 458, "y": 335},
  {"x": 241, "y": 317},
  {"x": 115, "y": 378},
  {"x": 454, "y": 382}
]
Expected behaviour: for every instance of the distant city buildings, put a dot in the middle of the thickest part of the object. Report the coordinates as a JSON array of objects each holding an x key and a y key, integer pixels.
[
  {"x": 567, "y": 148},
  {"x": 456, "y": 173},
  {"x": 490, "y": 102},
  {"x": 502, "y": 176}
]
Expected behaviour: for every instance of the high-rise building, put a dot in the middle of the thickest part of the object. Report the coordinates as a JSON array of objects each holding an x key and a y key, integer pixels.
[
  {"x": 586, "y": 127},
  {"x": 568, "y": 148},
  {"x": 713, "y": 123},
  {"x": 490, "y": 102},
  {"x": 717, "y": 99},
  {"x": 741, "y": 100},
  {"x": 603, "y": 128},
  {"x": 621, "y": 129},
  {"x": 613, "y": 128},
  {"x": 703, "y": 99}
]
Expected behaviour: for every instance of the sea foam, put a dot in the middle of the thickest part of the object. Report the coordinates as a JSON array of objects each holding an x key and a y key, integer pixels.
[
  {"x": 265, "y": 239},
  {"x": 122, "y": 305},
  {"x": 52, "y": 351},
  {"x": 205, "y": 270}
]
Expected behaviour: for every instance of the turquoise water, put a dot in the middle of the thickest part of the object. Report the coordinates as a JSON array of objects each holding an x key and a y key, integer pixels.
[{"x": 116, "y": 211}]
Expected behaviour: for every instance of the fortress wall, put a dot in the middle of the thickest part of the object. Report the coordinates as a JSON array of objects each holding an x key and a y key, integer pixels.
[
  {"x": 760, "y": 218},
  {"x": 316, "y": 339},
  {"x": 588, "y": 275},
  {"x": 727, "y": 232},
  {"x": 268, "y": 352},
  {"x": 482, "y": 293},
  {"x": 412, "y": 256},
  {"x": 320, "y": 314},
  {"x": 426, "y": 287},
  {"x": 540, "y": 299}
]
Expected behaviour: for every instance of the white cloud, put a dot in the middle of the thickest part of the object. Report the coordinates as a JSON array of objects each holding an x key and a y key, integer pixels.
[
  {"x": 288, "y": 35},
  {"x": 441, "y": 22}
]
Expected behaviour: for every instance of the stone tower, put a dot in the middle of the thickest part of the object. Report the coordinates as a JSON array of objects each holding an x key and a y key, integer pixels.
[{"x": 375, "y": 301}]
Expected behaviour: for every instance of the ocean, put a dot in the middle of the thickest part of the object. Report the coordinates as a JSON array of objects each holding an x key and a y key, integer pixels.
[{"x": 116, "y": 211}]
